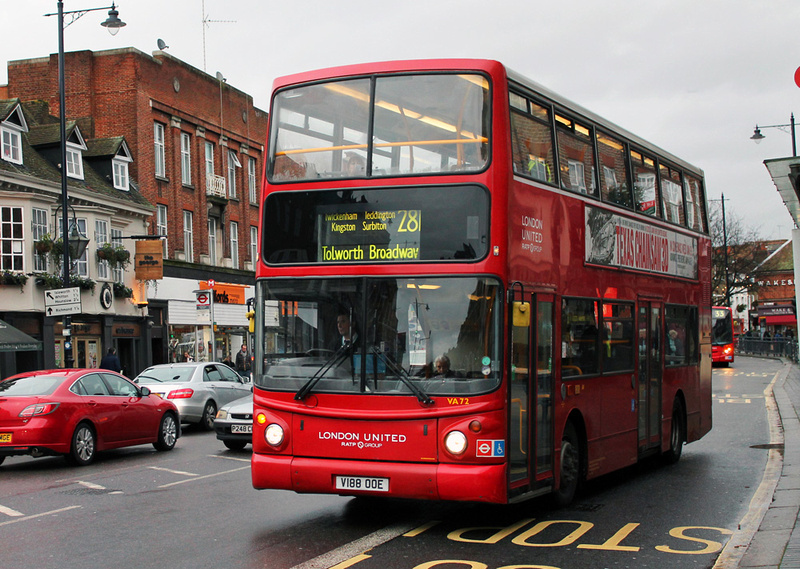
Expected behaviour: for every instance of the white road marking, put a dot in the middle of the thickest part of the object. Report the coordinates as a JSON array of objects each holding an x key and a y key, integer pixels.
[
  {"x": 50, "y": 513},
  {"x": 203, "y": 477},
  {"x": 91, "y": 485},
  {"x": 181, "y": 472},
  {"x": 353, "y": 552},
  {"x": 10, "y": 512},
  {"x": 230, "y": 458}
]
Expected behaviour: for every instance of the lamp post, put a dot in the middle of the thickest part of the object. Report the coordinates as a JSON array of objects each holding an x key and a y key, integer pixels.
[
  {"x": 758, "y": 137},
  {"x": 113, "y": 24}
]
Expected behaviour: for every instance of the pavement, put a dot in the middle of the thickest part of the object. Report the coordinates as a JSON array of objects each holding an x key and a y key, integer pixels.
[{"x": 768, "y": 536}]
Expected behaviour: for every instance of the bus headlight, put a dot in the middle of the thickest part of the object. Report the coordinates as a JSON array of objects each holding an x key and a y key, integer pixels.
[
  {"x": 273, "y": 434},
  {"x": 455, "y": 442}
]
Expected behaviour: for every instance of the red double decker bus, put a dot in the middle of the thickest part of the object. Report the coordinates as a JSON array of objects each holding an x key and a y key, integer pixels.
[
  {"x": 722, "y": 335},
  {"x": 470, "y": 288}
]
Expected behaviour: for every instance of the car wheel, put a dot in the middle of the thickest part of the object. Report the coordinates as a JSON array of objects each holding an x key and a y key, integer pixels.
[
  {"x": 571, "y": 468},
  {"x": 167, "y": 433},
  {"x": 84, "y": 445},
  {"x": 207, "y": 421},
  {"x": 235, "y": 445}
]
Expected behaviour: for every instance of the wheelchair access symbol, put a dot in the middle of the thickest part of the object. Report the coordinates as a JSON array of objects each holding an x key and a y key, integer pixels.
[{"x": 491, "y": 448}]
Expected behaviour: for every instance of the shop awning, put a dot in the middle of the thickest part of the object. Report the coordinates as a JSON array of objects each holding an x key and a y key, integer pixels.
[
  {"x": 15, "y": 340},
  {"x": 781, "y": 320}
]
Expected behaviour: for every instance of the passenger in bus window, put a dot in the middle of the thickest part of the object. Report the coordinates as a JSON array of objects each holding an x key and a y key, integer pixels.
[
  {"x": 355, "y": 165},
  {"x": 674, "y": 347},
  {"x": 442, "y": 367}
]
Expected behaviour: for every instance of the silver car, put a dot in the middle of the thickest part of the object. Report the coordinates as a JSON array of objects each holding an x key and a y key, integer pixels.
[
  {"x": 197, "y": 389},
  {"x": 234, "y": 423}
]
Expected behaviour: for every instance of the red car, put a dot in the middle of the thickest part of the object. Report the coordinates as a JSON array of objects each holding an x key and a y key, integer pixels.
[{"x": 78, "y": 412}]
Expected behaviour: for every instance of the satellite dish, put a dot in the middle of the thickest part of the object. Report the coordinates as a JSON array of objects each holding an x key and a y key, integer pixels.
[
  {"x": 220, "y": 77},
  {"x": 162, "y": 45}
]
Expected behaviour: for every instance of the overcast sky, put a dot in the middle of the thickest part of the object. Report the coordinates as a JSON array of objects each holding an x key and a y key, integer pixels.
[{"x": 691, "y": 76}]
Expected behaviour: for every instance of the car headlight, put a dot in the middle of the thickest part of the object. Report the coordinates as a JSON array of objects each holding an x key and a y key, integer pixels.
[
  {"x": 222, "y": 414},
  {"x": 273, "y": 434},
  {"x": 455, "y": 442}
]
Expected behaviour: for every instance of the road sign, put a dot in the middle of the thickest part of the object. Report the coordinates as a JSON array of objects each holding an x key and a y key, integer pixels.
[
  {"x": 62, "y": 301},
  {"x": 203, "y": 299}
]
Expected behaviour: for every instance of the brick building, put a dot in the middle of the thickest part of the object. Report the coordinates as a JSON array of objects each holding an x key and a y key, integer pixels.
[
  {"x": 775, "y": 288},
  {"x": 197, "y": 147}
]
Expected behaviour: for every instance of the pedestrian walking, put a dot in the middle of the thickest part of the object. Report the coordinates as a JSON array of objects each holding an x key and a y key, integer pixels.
[
  {"x": 243, "y": 362},
  {"x": 111, "y": 361}
]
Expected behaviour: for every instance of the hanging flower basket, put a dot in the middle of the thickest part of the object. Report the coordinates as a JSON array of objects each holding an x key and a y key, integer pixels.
[
  {"x": 106, "y": 252},
  {"x": 122, "y": 256},
  {"x": 43, "y": 244}
]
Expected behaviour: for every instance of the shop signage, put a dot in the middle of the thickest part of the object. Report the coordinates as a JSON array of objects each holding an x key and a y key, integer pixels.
[
  {"x": 225, "y": 293},
  {"x": 149, "y": 260},
  {"x": 776, "y": 310},
  {"x": 125, "y": 330}
]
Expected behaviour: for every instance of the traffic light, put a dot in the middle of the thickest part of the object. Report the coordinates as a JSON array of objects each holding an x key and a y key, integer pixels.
[{"x": 251, "y": 316}]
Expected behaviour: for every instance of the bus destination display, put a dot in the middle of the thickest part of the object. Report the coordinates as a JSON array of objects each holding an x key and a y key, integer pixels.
[{"x": 362, "y": 235}]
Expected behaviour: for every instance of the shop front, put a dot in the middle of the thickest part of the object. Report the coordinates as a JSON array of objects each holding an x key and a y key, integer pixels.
[
  {"x": 93, "y": 336},
  {"x": 208, "y": 330}
]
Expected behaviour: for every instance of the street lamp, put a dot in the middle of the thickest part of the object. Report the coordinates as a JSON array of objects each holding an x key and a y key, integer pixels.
[
  {"x": 758, "y": 137},
  {"x": 68, "y": 231}
]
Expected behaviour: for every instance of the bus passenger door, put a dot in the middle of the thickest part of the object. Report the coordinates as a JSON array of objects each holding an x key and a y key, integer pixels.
[
  {"x": 519, "y": 392},
  {"x": 531, "y": 392},
  {"x": 650, "y": 315},
  {"x": 544, "y": 358}
]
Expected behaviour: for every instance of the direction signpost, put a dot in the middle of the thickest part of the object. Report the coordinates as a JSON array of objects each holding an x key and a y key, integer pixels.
[{"x": 61, "y": 301}]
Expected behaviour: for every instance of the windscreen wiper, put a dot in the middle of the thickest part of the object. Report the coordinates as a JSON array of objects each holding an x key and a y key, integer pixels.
[
  {"x": 336, "y": 358},
  {"x": 422, "y": 397}
]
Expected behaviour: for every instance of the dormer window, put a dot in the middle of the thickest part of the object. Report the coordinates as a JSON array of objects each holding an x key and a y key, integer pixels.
[
  {"x": 75, "y": 147},
  {"x": 120, "y": 165},
  {"x": 11, "y": 129},
  {"x": 120, "y": 174},
  {"x": 12, "y": 144},
  {"x": 74, "y": 162}
]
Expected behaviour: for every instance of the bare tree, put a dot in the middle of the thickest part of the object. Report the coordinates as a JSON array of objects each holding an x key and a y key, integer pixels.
[{"x": 745, "y": 251}]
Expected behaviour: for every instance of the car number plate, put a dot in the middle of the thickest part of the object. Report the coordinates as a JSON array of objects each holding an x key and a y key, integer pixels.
[
  {"x": 5, "y": 437},
  {"x": 242, "y": 428},
  {"x": 364, "y": 483}
]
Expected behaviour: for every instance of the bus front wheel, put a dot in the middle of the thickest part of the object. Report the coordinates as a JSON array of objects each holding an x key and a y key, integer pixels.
[
  {"x": 677, "y": 434},
  {"x": 570, "y": 469}
]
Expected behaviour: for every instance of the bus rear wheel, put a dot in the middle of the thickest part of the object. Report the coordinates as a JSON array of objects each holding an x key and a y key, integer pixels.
[{"x": 570, "y": 469}]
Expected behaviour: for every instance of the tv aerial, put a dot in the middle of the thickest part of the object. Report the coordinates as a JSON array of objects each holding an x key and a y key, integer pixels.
[{"x": 206, "y": 22}]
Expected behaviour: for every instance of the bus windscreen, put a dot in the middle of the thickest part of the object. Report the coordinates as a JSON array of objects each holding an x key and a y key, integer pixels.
[{"x": 722, "y": 331}]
